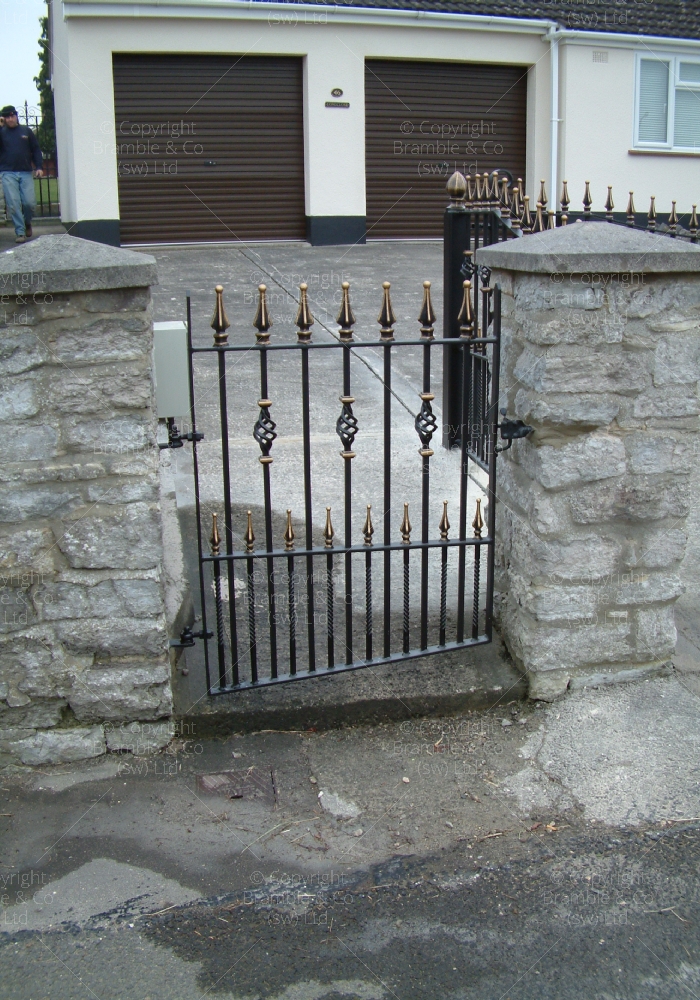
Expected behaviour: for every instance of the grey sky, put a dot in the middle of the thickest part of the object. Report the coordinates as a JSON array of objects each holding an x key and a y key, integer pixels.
[{"x": 20, "y": 60}]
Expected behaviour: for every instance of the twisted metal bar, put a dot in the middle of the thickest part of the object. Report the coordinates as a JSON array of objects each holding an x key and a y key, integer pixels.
[{"x": 249, "y": 539}]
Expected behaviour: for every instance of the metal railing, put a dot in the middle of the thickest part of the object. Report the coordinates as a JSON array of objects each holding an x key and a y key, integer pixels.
[
  {"x": 249, "y": 643},
  {"x": 47, "y": 193}
]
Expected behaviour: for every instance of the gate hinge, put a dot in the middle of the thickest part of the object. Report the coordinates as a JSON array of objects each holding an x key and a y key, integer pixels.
[
  {"x": 187, "y": 637},
  {"x": 176, "y": 439},
  {"x": 512, "y": 430}
]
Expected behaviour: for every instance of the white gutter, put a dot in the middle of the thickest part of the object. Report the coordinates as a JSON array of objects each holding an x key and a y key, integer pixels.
[
  {"x": 553, "y": 39},
  {"x": 262, "y": 9},
  {"x": 614, "y": 39}
]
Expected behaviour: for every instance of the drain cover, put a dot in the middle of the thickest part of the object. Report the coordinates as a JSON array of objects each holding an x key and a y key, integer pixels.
[{"x": 253, "y": 784}]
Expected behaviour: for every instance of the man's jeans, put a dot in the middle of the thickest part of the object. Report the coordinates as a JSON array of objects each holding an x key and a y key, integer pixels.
[{"x": 20, "y": 199}]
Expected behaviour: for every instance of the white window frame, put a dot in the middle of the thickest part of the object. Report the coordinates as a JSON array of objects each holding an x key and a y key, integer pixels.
[{"x": 673, "y": 62}]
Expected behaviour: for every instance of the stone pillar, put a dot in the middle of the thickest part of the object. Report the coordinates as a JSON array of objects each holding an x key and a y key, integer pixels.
[
  {"x": 601, "y": 355},
  {"x": 83, "y": 644}
]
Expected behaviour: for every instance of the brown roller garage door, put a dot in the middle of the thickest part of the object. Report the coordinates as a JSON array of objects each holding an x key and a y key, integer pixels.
[
  {"x": 209, "y": 147},
  {"x": 424, "y": 120}
]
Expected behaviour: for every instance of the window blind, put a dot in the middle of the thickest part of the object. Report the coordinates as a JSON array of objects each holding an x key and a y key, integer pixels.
[{"x": 653, "y": 101}]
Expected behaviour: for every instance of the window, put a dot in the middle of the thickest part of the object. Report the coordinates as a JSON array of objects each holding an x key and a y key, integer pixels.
[{"x": 668, "y": 102}]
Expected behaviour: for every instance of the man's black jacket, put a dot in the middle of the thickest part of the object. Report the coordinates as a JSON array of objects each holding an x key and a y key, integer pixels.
[{"x": 19, "y": 149}]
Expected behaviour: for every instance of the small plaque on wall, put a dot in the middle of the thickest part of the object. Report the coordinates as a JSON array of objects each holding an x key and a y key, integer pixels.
[{"x": 337, "y": 104}]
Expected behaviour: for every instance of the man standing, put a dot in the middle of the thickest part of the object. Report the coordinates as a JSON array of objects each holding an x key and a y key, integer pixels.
[{"x": 19, "y": 154}]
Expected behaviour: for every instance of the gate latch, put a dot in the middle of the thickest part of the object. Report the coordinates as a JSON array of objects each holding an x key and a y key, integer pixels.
[
  {"x": 176, "y": 439},
  {"x": 187, "y": 637},
  {"x": 512, "y": 430}
]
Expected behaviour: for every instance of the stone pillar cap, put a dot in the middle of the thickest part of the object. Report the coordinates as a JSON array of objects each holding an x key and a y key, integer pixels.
[
  {"x": 63, "y": 263},
  {"x": 584, "y": 247}
]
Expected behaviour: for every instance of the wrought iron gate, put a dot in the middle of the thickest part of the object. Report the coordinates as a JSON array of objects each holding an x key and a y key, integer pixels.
[{"x": 243, "y": 643}]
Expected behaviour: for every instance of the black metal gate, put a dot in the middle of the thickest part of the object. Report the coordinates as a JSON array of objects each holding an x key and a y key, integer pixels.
[{"x": 381, "y": 619}]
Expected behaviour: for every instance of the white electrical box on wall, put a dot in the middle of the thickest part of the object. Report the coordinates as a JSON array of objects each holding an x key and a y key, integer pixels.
[{"x": 170, "y": 368}]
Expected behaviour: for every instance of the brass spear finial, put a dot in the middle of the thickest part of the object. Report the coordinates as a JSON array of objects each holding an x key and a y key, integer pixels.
[
  {"x": 470, "y": 189},
  {"x": 249, "y": 537},
  {"x": 587, "y": 200},
  {"x": 630, "y": 210},
  {"x": 346, "y": 317},
  {"x": 693, "y": 225},
  {"x": 516, "y": 209},
  {"x": 289, "y": 535},
  {"x": 219, "y": 321},
  {"x": 405, "y": 526},
  {"x": 526, "y": 218},
  {"x": 565, "y": 202},
  {"x": 478, "y": 190},
  {"x": 543, "y": 196},
  {"x": 539, "y": 221},
  {"x": 457, "y": 190},
  {"x": 427, "y": 316},
  {"x": 444, "y": 525},
  {"x": 494, "y": 195},
  {"x": 368, "y": 528},
  {"x": 505, "y": 198},
  {"x": 304, "y": 319},
  {"x": 609, "y": 205},
  {"x": 478, "y": 522},
  {"x": 215, "y": 538},
  {"x": 651, "y": 217},
  {"x": 673, "y": 219},
  {"x": 465, "y": 317},
  {"x": 328, "y": 531},
  {"x": 262, "y": 321},
  {"x": 386, "y": 318}
]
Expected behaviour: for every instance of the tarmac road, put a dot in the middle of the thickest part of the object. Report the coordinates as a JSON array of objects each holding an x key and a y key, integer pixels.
[
  {"x": 610, "y": 916},
  {"x": 525, "y": 852}
]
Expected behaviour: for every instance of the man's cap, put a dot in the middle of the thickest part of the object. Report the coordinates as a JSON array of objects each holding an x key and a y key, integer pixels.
[{"x": 9, "y": 109}]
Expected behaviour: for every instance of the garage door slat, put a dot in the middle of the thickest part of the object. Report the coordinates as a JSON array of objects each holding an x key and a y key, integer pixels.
[
  {"x": 406, "y": 187},
  {"x": 243, "y": 113}
]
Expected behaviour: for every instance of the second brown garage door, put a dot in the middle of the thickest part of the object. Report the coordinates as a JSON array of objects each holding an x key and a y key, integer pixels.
[
  {"x": 209, "y": 147},
  {"x": 425, "y": 120}
]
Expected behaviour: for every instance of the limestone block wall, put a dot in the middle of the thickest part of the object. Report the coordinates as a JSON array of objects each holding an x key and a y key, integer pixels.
[
  {"x": 601, "y": 355},
  {"x": 82, "y": 629}
]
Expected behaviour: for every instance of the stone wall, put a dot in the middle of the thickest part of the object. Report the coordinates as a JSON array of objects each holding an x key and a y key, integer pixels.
[
  {"x": 82, "y": 629},
  {"x": 601, "y": 355}
]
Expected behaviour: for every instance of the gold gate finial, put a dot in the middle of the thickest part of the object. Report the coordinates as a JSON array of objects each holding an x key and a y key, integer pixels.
[
  {"x": 673, "y": 219},
  {"x": 651, "y": 217},
  {"x": 565, "y": 202},
  {"x": 249, "y": 537},
  {"x": 328, "y": 531},
  {"x": 215, "y": 539},
  {"x": 304, "y": 319},
  {"x": 543, "y": 196},
  {"x": 587, "y": 200},
  {"x": 219, "y": 321},
  {"x": 444, "y": 525},
  {"x": 386, "y": 317},
  {"x": 427, "y": 316},
  {"x": 346, "y": 317},
  {"x": 457, "y": 190},
  {"x": 609, "y": 205},
  {"x": 465, "y": 316},
  {"x": 262, "y": 321},
  {"x": 289, "y": 535},
  {"x": 405, "y": 526},
  {"x": 478, "y": 522},
  {"x": 505, "y": 198},
  {"x": 368, "y": 528},
  {"x": 630, "y": 210}
]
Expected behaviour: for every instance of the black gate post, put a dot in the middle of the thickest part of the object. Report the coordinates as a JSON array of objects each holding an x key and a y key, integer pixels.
[{"x": 455, "y": 242}]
